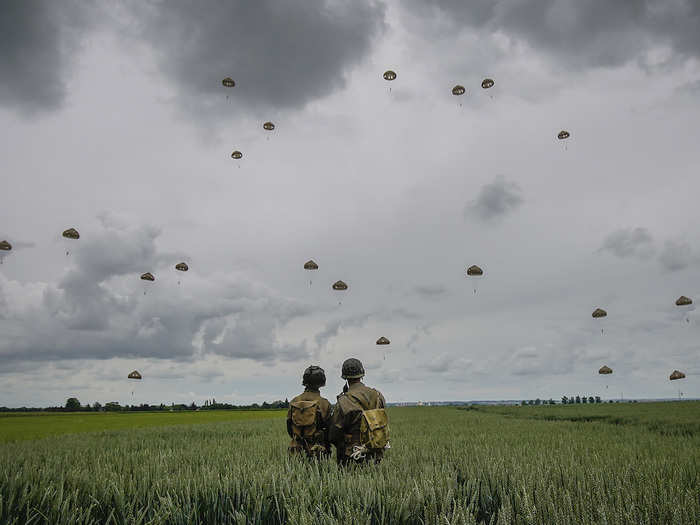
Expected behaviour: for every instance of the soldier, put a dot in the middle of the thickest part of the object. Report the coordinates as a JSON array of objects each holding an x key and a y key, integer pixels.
[
  {"x": 309, "y": 417},
  {"x": 360, "y": 428}
]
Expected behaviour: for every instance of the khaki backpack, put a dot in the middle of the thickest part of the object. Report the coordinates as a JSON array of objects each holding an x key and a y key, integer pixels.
[
  {"x": 304, "y": 418},
  {"x": 374, "y": 429}
]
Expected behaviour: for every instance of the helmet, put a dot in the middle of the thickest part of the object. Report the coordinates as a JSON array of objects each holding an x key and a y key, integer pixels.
[
  {"x": 314, "y": 376},
  {"x": 352, "y": 369}
]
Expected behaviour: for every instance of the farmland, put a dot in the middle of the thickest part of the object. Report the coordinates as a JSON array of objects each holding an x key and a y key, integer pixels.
[{"x": 570, "y": 464}]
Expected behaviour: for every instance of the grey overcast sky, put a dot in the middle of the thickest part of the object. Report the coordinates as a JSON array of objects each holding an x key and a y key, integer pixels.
[{"x": 114, "y": 121}]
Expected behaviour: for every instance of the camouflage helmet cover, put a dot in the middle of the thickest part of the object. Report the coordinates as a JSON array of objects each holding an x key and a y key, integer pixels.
[
  {"x": 352, "y": 369},
  {"x": 314, "y": 376}
]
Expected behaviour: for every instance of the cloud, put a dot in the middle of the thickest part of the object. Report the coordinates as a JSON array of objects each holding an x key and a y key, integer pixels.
[
  {"x": 495, "y": 200},
  {"x": 429, "y": 291},
  {"x": 280, "y": 54},
  {"x": 98, "y": 310},
  {"x": 677, "y": 255},
  {"x": 38, "y": 41},
  {"x": 627, "y": 242},
  {"x": 577, "y": 33}
]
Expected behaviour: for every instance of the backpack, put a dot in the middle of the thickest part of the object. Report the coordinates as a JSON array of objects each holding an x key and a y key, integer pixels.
[
  {"x": 304, "y": 418},
  {"x": 374, "y": 429}
]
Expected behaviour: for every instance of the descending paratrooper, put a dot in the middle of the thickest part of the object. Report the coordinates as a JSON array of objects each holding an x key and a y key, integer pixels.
[
  {"x": 72, "y": 235},
  {"x": 5, "y": 249},
  {"x": 181, "y": 267},
  {"x": 310, "y": 265},
  {"x": 475, "y": 274}
]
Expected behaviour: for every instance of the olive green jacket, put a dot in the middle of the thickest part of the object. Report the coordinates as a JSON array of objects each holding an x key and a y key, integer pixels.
[
  {"x": 345, "y": 425},
  {"x": 324, "y": 407}
]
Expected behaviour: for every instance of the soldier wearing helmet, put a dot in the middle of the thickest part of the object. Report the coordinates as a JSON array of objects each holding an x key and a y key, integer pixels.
[
  {"x": 308, "y": 417},
  {"x": 360, "y": 428}
]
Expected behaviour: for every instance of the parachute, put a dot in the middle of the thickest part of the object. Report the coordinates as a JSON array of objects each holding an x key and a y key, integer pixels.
[
  {"x": 458, "y": 90},
  {"x": 182, "y": 267},
  {"x": 236, "y": 155},
  {"x": 487, "y": 83},
  {"x": 683, "y": 301},
  {"x": 605, "y": 370},
  {"x": 340, "y": 286},
  {"x": 72, "y": 234},
  {"x": 228, "y": 82},
  {"x": 5, "y": 248},
  {"x": 269, "y": 126},
  {"x": 563, "y": 134},
  {"x": 475, "y": 273},
  {"x": 389, "y": 75},
  {"x": 148, "y": 276},
  {"x": 599, "y": 313},
  {"x": 677, "y": 374},
  {"x": 310, "y": 265},
  {"x": 383, "y": 341},
  {"x": 134, "y": 375}
]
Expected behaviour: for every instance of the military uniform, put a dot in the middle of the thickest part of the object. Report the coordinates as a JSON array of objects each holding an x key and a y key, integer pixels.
[
  {"x": 347, "y": 416},
  {"x": 311, "y": 439}
]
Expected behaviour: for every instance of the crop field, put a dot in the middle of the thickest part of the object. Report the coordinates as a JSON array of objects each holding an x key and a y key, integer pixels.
[{"x": 447, "y": 465}]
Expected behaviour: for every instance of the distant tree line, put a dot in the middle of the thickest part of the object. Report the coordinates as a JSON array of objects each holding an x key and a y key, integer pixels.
[
  {"x": 570, "y": 401},
  {"x": 73, "y": 405}
]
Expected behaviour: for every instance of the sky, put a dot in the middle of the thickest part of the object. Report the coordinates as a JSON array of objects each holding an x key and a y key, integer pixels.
[{"x": 114, "y": 121}]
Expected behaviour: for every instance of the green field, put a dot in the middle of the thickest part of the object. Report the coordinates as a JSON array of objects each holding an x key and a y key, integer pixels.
[
  {"x": 32, "y": 425},
  {"x": 447, "y": 465}
]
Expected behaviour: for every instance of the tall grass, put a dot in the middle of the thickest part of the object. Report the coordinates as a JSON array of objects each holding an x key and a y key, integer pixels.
[{"x": 446, "y": 466}]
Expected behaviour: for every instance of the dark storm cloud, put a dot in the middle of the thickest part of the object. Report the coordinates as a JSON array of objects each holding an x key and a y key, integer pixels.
[
  {"x": 495, "y": 200},
  {"x": 38, "y": 39},
  {"x": 280, "y": 54},
  {"x": 577, "y": 32},
  {"x": 628, "y": 242},
  {"x": 677, "y": 255},
  {"x": 97, "y": 310}
]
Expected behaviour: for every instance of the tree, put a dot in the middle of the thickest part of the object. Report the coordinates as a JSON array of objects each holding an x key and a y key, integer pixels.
[
  {"x": 523, "y": 403},
  {"x": 538, "y": 401},
  {"x": 597, "y": 399},
  {"x": 96, "y": 406},
  {"x": 584, "y": 399},
  {"x": 112, "y": 406},
  {"x": 551, "y": 401},
  {"x": 72, "y": 404},
  {"x": 578, "y": 399}
]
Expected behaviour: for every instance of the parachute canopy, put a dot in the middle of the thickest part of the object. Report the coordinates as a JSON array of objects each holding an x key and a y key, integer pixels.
[
  {"x": 605, "y": 370},
  {"x": 148, "y": 276},
  {"x": 677, "y": 374},
  {"x": 228, "y": 82},
  {"x": 269, "y": 126},
  {"x": 71, "y": 233},
  {"x": 563, "y": 135},
  {"x": 340, "y": 285},
  {"x": 389, "y": 75},
  {"x": 458, "y": 90},
  {"x": 134, "y": 375},
  {"x": 236, "y": 155},
  {"x": 683, "y": 301},
  {"x": 487, "y": 83},
  {"x": 5, "y": 246},
  {"x": 310, "y": 265},
  {"x": 598, "y": 313},
  {"x": 474, "y": 270},
  {"x": 182, "y": 267},
  {"x": 383, "y": 341}
]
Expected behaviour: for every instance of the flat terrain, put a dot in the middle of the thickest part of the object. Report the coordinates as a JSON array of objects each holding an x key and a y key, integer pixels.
[
  {"x": 33, "y": 425},
  {"x": 447, "y": 465}
]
